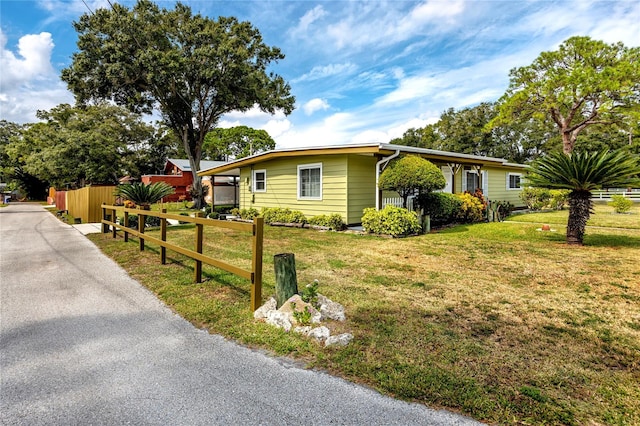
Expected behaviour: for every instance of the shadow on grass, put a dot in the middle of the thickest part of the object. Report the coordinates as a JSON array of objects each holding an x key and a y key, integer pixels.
[{"x": 607, "y": 240}]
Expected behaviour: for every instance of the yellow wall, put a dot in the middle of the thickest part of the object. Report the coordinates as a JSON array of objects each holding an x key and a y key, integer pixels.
[
  {"x": 348, "y": 185},
  {"x": 281, "y": 186},
  {"x": 85, "y": 203},
  {"x": 361, "y": 186}
]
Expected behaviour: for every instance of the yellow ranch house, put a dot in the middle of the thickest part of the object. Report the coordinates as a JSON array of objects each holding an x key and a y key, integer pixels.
[{"x": 343, "y": 178}]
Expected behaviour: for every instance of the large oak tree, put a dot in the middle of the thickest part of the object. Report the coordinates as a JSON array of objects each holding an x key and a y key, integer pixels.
[
  {"x": 585, "y": 82},
  {"x": 193, "y": 69}
]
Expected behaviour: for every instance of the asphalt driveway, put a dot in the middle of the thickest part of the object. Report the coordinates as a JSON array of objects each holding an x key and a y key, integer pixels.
[{"x": 83, "y": 343}]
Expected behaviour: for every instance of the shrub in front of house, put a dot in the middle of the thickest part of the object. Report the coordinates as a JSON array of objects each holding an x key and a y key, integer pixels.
[
  {"x": 282, "y": 215},
  {"x": 246, "y": 214},
  {"x": 471, "y": 210},
  {"x": 442, "y": 207},
  {"x": 333, "y": 221},
  {"x": 540, "y": 198},
  {"x": 535, "y": 198},
  {"x": 558, "y": 198},
  {"x": 391, "y": 220},
  {"x": 620, "y": 204}
]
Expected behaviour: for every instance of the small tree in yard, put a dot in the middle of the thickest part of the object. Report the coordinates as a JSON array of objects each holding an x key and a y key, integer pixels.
[
  {"x": 144, "y": 195},
  {"x": 582, "y": 173},
  {"x": 410, "y": 174}
]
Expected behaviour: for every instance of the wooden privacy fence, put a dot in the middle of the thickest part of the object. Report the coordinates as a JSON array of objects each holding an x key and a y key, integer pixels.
[{"x": 256, "y": 228}]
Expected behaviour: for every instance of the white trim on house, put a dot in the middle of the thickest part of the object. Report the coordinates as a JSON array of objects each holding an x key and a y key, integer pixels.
[
  {"x": 259, "y": 184},
  {"x": 314, "y": 188},
  {"x": 517, "y": 181},
  {"x": 481, "y": 179}
]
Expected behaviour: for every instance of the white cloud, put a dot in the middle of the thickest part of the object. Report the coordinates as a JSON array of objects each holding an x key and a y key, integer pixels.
[
  {"x": 32, "y": 62},
  {"x": 254, "y": 113},
  {"x": 325, "y": 71},
  {"x": 382, "y": 24},
  {"x": 28, "y": 81},
  {"x": 314, "y": 105},
  {"x": 276, "y": 128},
  {"x": 308, "y": 19}
]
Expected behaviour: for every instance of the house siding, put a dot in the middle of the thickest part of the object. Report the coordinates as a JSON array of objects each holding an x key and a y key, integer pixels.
[
  {"x": 361, "y": 189},
  {"x": 498, "y": 186},
  {"x": 348, "y": 185},
  {"x": 282, "y": 184}
]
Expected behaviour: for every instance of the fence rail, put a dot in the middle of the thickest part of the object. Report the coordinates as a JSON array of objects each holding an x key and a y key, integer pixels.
[
  {"x": 606, "y": 194},
  {"x": 397, "y": 202},
  {"x": 256, "y": 228}
]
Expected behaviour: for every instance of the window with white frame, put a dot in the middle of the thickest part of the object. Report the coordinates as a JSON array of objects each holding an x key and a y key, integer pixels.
[
  {"x": 471, "y": 181},
  {"x": 259, "y": 181},
  {"x": 310, "y": 181},
  {"x": 514, "y": 180}
]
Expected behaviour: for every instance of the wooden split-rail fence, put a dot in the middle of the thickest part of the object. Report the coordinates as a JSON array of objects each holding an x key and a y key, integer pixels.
[{"x": 256, "y": 229}]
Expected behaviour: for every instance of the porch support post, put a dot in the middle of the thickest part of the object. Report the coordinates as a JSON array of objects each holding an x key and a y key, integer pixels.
[
  {"x": 380, "y": 166},
  {"x": 455, "y": 168}
]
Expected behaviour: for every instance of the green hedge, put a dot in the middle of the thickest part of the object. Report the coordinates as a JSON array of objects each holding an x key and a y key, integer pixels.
[
  {"x": 282, "y": 215},
  {"x": 333, "y": 221},
  {"x": 391, "y": 220},
  {"x": 442, "y": 207}
]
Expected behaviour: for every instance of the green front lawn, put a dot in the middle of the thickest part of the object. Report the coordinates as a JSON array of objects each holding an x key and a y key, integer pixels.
[
  {"x": 604, "y": 216},
  {"x": 499, "y": 321}
]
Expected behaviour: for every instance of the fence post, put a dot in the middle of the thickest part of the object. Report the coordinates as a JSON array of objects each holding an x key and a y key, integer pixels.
[
  {"x": 163, "y": 237},
  {"x": 126, "y": 226},
  {"x": 141, "y": 221},
  {"x": 256, "y": 263},
  {"x": 198, "y": 249},
  {"x": 105, "y": 227},
  {"x": 284, "y": 265},
  {"x": 113, "y": 219}
]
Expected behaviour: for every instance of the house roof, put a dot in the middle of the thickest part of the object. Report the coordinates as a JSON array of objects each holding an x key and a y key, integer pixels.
[
  {"x": 185, "y": 166},
  {"x": 381, "y": 149}
]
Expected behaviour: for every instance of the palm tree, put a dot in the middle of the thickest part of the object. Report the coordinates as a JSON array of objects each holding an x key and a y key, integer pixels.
[
  {"x": 581, "y": 173},
  {"x": 144, "y": 195}
]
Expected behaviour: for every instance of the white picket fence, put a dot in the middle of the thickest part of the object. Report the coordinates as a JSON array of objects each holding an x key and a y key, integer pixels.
[
  {"x": 605, "y": 195},
  {"x": 397, "y": 202}
]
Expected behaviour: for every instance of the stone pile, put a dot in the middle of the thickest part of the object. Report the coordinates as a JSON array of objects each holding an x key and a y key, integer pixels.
[{"x": 285, "y": 318}]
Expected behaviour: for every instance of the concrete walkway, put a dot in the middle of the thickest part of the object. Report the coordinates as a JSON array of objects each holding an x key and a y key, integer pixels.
[{"x": 83, "y": 343}]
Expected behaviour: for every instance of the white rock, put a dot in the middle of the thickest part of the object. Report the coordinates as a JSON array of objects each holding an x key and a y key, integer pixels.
[
  {"x": 330, "y": 309},
  {"x": 340, "y": 340},
  {"x": 261, "y": 312},
  {"x": 321, "y": 333},
  {"x": 300, "y": 306},
  {"x": 302, "y": 330},
  {"x": 279, "y": 319}
]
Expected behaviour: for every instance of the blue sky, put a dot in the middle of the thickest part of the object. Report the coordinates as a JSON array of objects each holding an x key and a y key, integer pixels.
[{"x": 361, "y": 71}]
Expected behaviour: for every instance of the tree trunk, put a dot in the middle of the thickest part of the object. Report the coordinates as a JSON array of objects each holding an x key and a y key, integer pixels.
[
  {"x": 567, "y": 142},
  {"x": 194, "y": 152},
  {"x": 580, "y": 207},
  {"x": 286, "y": 279}
]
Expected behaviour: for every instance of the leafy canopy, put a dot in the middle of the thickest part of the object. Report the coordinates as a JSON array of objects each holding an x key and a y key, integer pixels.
[
  {"x": 75, "y": 146},
  {"x": 142, "y": 194},
  {"x": 236, "y": 142},
  {"x": 583, "y": 83},
  {"x": 410, "y": 174},
  {"x": 192, "y": 68},
  {"x": 585, "y": 171}
]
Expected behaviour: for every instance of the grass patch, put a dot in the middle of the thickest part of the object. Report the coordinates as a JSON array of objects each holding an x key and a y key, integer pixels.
[
  {"x": 498, "y": 321},
  {"x": 604, "y": 216}
]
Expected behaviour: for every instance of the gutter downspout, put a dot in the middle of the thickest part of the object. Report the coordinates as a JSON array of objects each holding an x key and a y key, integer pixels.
[{"x": 383, "y": 162}]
